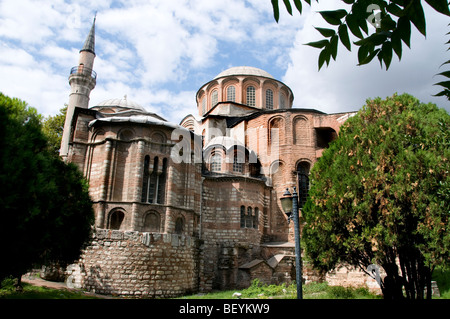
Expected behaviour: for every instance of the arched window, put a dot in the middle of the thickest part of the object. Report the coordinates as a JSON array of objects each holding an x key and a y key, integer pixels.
[
  {"x": 303, "y": 183},
  {"x": 116, "y": 219},
  {"x": 282, "y": 101},
  {"x": 146, "y": 181},
  {"x": 269, "y": 99},
  {"x": 216, "y": 162},
  {"x": 179, "y": 226},
  {"x": 251, "y": 96},
  {"x": 162, "y": 183},
  {"x": 152, "y": 222},
  {"x": 231, "y": 94},
  {"x": 249, "y": 218},
  {"x": 255, "y": 217},
  {"x": 214, "y": 98},
  {"x": 204, "y": 105},
  {"x": 242, "y": 216}
]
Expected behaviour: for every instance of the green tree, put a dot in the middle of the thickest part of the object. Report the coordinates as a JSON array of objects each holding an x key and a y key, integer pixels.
[
  {"x": 46, "y": 210},
  {"x": 380, "y": 194},
  {"x": 53, "y": 127},
  {"x": 391, "y": 20}
]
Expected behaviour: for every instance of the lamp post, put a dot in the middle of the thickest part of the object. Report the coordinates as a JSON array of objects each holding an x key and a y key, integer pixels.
[{"x": 289, "y": 204}]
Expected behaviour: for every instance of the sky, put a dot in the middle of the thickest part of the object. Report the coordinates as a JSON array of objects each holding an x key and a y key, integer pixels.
[{"x": 160, "y": 52}]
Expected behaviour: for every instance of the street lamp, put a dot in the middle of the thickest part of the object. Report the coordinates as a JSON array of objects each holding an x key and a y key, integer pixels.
[{"x": 289, "y": 203}]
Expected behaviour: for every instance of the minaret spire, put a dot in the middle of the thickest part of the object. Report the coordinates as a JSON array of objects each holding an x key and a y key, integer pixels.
[
  {"x": 89, "y": 44},
  {"x": 82, "y": 80}
]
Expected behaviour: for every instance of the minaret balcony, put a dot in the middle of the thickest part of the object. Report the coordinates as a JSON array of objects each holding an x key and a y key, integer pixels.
[{"x": 81, "y": 70}]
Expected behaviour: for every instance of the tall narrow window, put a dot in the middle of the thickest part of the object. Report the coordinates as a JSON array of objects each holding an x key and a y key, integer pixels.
[
  {"x": 282, "y": 101},
  {"x": 242, "y": 216},
  {"x": 249, "y": 218},
  {"x": 214, "y": 98},
  {"x": 251, "y": 96},
  {"x": 303, "y": 183},
  {"x": 269, "y": 99},
  {"x": 204, "y": 105},
  {"x": 255, "y": 218},
  {"x": 162, "y": 183},
  {"x": 231, "y": 94},
  {"x": 153, "y": 186},
  {"x": 146, "y": 180}
]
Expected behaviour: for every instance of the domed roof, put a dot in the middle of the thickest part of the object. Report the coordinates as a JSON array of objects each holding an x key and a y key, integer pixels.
[
  {"x": 122, "y": 103},
  {"x": 244, "y": 70}
]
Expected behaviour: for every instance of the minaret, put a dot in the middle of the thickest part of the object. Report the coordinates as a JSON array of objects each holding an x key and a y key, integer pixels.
[{"x": 82, "y": 80}]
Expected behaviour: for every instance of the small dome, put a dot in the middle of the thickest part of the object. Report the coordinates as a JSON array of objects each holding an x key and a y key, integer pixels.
[
  {"x": 244, "y": 70},
  {"x": 122, "y": 103}
]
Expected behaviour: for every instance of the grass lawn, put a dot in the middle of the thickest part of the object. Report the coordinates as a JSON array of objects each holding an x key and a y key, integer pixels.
[{"x": 310, "y": 291}]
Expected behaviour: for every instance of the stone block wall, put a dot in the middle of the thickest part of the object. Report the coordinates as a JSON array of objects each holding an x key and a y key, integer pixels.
[{"x": 136, "y": 264}]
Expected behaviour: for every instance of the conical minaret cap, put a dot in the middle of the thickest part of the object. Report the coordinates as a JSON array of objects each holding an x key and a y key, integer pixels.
[{"x": 89, "y": 44}]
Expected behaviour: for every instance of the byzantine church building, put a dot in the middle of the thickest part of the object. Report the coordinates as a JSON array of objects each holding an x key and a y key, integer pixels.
[{"x": 193, "y": 206}]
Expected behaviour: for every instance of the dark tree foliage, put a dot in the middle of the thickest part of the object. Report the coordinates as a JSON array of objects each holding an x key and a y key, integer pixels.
[
  {"x": 380, "y": 194},
  {"x": 45, "y": 209},
  {"x": 53, "y": 127}
]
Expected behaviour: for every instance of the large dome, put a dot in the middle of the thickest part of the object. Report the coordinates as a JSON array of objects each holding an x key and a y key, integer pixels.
[
  {"x": 122, "y": 103},
  {"x": 244, "y": 70}
]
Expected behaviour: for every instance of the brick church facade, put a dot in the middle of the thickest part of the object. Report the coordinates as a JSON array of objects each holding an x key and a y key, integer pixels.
[{"x": 193, "y": 206}]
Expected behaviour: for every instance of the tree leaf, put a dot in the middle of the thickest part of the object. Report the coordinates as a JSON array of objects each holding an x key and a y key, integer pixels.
[
  {"x": 397, "y": 44},
  {"x": 288, "y": 6},
  {"x": 395, "y": 10},
  {"x": 334, "y": 46},
  {"x": 324, "y": 56},
  {"x": 439, "y": 5},
  {"x": 298, "y": 5},
  {"x": 318, "y": 44},
  {"x": 333, "y": 17},
  {"x": 446, "y": 74},
  {"x": 445, "y": 84},
  {"x": 415, "y": 13},
  {"x": 343, "y": 35},
  {"x": 276, "y": 10},
  {"x": 352, "y": 24},
  {"x": 404, "y": 29},
  {"x": 386, "y": 52},
  {"x": 327, "y": 33}
]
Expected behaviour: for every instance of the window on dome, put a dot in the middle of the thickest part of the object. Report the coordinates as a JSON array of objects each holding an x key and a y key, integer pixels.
[
  {"x": 214, "y": 98},
  {"x": 237, "y": 164},
  {"x": 204, "y": 105},
  {"x": 231, "y": 94},
  {"x": 282, "y": 101},
  {"x": 251, "y": 96},
  {"x": 269, "y": 99}
]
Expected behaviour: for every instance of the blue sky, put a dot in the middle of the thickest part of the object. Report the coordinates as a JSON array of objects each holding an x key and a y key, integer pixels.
[{"x": 159, "y": 53}]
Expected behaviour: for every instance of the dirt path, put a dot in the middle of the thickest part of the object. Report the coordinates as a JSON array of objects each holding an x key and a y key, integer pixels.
[{"x": 35, "y": 281}]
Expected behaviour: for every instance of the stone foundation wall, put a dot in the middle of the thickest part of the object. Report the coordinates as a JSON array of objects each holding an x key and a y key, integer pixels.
[{"x": 136, "y": 264}]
